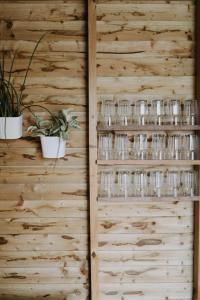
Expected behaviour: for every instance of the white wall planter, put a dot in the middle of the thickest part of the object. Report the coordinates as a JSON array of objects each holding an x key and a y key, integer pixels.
[
  {"x": 52, "y": 146},
  {"x": 11, "y": 127}
]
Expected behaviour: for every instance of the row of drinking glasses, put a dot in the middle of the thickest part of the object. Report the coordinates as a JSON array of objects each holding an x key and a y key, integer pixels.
[
  {"x": 157, "y": 183},
  {"x": 159, "y": 146},
  {"x": 159, "y": 112}
]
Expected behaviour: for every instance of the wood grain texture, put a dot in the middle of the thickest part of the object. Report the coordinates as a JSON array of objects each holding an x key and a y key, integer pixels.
[
  {"x": 145, "y": 50},
  {"x": 44, "y": 205}
]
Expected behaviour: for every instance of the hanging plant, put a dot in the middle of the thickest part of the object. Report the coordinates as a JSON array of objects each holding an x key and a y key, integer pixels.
[
  {"x": 54, "y": 132},
  {"x": 11, "y": 105}
]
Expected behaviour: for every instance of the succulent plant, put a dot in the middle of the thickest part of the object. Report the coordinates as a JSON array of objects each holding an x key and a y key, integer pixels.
[{"x": 57, "y": 125}]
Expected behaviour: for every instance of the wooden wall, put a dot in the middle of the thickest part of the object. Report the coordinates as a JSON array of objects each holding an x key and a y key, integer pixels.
[
  {"x": 43, "y": 206},
  {"x": 145, "y": 250},
  {"x": 145, "y": 51}
]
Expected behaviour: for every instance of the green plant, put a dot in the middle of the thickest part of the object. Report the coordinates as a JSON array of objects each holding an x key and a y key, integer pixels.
[
  {"x": 57, "y": 125},
  {"x": 11, "y": 97}
]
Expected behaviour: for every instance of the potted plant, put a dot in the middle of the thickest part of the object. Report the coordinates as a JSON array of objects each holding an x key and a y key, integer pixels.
[
  {"x": 11, "y": 105},
  {"x": 54, "y": 132}
]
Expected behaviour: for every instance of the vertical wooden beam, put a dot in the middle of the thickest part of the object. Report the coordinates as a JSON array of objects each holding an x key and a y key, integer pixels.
[
  {"x": 94, "y": 289},
  {"x": 196, "y": 268}
]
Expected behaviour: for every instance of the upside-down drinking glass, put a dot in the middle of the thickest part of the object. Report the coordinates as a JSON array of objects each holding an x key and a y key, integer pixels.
[
  {"x": 158, "y": 147},
  {"x": 140, "y": 146},
  {"x": 105, "y": 146},
  {"x": 190, "y": 112},
  {"x": 121, "y": 146},
  {"x": 123, "y": 181},
  {"x": 188, "y": 181},
  {"x": 106, "y": 183},
  {"x": 158, "y": 112},
  {"x": 175, "y": 112},
  {"x": 142, "y": 111},
  {"x": 124, "y": 112},
  {"x": 108, "y": 112}
]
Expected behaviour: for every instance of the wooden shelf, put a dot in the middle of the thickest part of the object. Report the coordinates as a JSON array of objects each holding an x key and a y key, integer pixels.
[
  {"x": 148, "y": 199},
  {"x": 149, "y": 162},
  {"x": 149, "y": 128}
]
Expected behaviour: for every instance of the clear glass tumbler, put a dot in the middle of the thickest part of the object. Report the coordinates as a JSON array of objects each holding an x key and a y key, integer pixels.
[
  {"x": 157, "y": 180},
  {"x": 175, "y": 147},
  {"x": 124, "y": 112},
  {"x": 190, "y": 112},
  {"x": 123, "y": 183},
  {"x": 140, "y": 146},
  {"x": 105, "y": 147},
  {"x": 158, "y": 146},
  {"x": 157, "y": 112},
  {"x": 188, "y": 181},
  {"x": 140, "y": 182},
  {"x": 175, "y": 112},
  {"x": 108, "y": 112},
  {"x": 142, "y": 112},
  {"x": 174, "y": 181},
  {"x": 106, "y": 183},
  {"x": 121, "y": 146}
]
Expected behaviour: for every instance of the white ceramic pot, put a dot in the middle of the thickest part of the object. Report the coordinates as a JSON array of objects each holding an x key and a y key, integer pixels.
[
  {"x": 52, "y": 146},
  {"x": 11, "y": 127}
]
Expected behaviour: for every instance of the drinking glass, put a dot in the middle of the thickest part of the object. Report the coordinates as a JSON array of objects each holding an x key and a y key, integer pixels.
[
  {"x": 174, "y": 183},
  {"x": 142, "y": 111},
  {"x": 158, "y": 147},
  {"x": 158, "y": 111},
  {"x": 175, "y": 112},
  {"x": 123, "y": 182},
  {"x": 190, "y": 149},
  {"x": 140, "y": 146},
  {"x": 175, "y": 147},
  {"x": 140, "y": 183},
  {"x": 121, "y": 146},
  {"x": 108, "y": 112},
  {"x": 124, "y": 112},
  {"x": 190, "y": 112},
  {"x": 188, "y": 181},
  {"x": 105, "y": 146},
  {"x": 157, "y": 180},
  {"x": 106, "y": 183}
]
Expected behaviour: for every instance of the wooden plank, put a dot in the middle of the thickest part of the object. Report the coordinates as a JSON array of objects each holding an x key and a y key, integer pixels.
[
  {"x": 144, "y": 30},
  {"x": 130, "y": 66},
  {"x": 136, "y": 127},
  {"x": 17, "y": 175},
  {"x": 39, "y": 259},
  {"x": 124, "y": 242},
  {"x": 74, "y": 65},
  {"x": 44, "y": 225},
  {"x": 43, "y": 209},
  {"x": 149, "y": 162},
  {"x": 145, "y": 225},
  {"x": 152, "y": 85},
  {"x": 146, "y": 258},
  {"x": 162, "y": 11},
  {"x": 147, "y": 48},
  {"x": 33, "y": 157},
  {"x": 131, "y": 200},
  {"x": 28, "y": 46},
  {"x": 42, "y": 191},
  {"x": 196, "y": 262},
  {"x": 143, "y": 209},
  {"x": 43, "y": 291},
  {"x": 46, "y": 242},
  {"x": 144, "y": 274},
  {"x": 66, "y": 274},
  {"x": 39, "y": 11},
  {"x": 174, "y": 291},
  {"x": 94, "y": 289}
]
